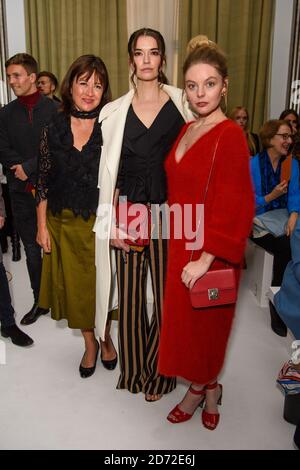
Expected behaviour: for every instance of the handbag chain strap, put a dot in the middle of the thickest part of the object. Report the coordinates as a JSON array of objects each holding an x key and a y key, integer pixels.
[{"x": 207, "y": 184}]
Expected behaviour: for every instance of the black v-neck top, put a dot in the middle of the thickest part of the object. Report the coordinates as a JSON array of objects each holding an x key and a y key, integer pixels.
[{"x": 141, "y": 172}]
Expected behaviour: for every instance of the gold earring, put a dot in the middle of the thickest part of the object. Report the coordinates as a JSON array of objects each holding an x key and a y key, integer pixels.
[{"x": 224, "y": 96}]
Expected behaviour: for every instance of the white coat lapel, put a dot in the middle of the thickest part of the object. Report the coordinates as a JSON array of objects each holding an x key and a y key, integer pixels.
[{"x": 113, "y": 120}]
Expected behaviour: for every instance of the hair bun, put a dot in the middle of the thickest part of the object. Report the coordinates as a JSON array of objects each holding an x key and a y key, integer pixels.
[{"x": 198, "y": 41}]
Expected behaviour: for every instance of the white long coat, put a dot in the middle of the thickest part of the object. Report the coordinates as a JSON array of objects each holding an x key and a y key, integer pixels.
[{"x": 113, "y": 118}]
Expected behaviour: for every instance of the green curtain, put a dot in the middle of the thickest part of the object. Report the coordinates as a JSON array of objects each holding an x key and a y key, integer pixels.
[
  {"x": 59, "y": 31},
  {"x": 243, "y": 29}
]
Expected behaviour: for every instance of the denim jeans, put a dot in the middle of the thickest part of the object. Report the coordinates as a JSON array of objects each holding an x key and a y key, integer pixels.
[
  {"x": 6, "y": 309},
  {"x": 24, "y": 212}
]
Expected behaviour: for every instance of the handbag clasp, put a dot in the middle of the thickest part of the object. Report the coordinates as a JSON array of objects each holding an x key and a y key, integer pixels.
[{"x": 213, "y": 294}]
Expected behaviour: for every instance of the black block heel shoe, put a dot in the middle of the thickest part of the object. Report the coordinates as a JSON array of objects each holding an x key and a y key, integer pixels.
[
  {"x": 111, "y": 364},
  {"x": 86, "y": 372}
]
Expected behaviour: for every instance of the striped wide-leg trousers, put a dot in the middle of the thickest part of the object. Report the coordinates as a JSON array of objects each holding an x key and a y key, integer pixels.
[{"x": 138, "y": 335}]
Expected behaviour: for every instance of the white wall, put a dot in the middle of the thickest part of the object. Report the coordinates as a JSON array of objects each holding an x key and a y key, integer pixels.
[
  {"x": 280, "y": 56},
  {"x": 15, "y": 26}
]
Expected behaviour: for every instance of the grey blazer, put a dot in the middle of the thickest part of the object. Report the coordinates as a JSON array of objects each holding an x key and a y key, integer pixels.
[{"x": 2, "y": 214}]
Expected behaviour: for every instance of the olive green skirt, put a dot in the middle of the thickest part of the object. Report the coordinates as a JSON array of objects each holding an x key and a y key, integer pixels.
[{"x": 68, "y": 283}]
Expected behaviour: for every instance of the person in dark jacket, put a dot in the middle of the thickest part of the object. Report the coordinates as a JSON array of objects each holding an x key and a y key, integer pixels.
[
  {"x": 21, "y": 122},
  {"x": 9, "y": 329}
]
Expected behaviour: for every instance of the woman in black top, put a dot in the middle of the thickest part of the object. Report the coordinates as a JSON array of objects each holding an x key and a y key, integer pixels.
[
  {"x": 67, "y": 197},
  {"x": 141, "y": 175}
]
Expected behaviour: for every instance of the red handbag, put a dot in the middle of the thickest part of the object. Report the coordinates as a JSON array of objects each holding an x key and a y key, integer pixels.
[
  {"x": 134, "y": 219},
  {"x": 217, "y": 286}
]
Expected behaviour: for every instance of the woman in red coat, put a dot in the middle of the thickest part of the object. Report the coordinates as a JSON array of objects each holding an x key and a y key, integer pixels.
[{"x": 193, "y": 342}]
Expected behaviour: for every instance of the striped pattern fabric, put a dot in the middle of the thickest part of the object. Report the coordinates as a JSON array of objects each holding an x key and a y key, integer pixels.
[{"x": 138, "y": 335}]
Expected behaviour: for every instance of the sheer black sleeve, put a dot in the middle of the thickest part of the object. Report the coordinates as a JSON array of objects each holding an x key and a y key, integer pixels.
[{"x": 44, "y": 167}]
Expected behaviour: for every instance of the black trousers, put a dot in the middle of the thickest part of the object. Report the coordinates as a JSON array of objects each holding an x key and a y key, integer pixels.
[
  {"x": 280, "y": 248},
  {"x": 24, "y": 212},
  {"x": 9, "y": 222}
]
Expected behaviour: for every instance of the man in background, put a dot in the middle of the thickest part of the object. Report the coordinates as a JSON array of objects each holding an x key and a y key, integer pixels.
[
  {"x": 21, "y": 123},
  {"x": 47, "y": 84}
]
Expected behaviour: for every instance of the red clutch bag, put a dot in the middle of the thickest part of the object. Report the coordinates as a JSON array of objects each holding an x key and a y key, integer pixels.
[
  {"x": 216, "y": 287},
  {"x": 135, "y": 219}
]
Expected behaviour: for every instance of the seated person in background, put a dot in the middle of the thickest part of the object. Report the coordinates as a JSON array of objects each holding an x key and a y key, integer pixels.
[
  {"x": 240, "y": 115},
  {"x": 273, "y": 192},
  {"x": 287, "y": 300},
  {"x": 47, "y": 83},
  {"x": 292, "y": 117},
  {"x": 9, "y": 328}
]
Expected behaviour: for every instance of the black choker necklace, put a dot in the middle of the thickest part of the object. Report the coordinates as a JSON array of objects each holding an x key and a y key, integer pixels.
[{"x": 85, "y": 114}]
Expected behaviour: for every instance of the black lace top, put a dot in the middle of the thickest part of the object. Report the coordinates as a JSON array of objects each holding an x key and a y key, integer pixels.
[
  {"x": 67, "y": 177},
  {"x": 141, "y": 174}
]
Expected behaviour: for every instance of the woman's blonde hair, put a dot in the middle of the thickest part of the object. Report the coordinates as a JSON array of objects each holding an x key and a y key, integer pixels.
[
  {"x": 200, "y": 50},
  {"x": 250, "y": 140}
]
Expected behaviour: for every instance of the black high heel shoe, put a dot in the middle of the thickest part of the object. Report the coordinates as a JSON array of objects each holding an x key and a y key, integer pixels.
[
  {"x": 88, "y": 371},
  {"x": 110, "y": 364}
]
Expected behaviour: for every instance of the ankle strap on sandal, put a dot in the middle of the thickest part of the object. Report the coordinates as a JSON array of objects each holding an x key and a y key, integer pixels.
[
  {"x": 211, "y": 386},
  {"x": 197, "y": 392}
]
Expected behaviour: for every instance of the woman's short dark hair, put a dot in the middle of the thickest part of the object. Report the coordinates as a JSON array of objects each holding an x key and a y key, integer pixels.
[
  {"x": 286, "y": 112},
  {"x": 50, "y": 75},
  {"x": 84, "y": 65},
  {"x": 160, "y": 45},
  {"x": 269, "y": 129}
]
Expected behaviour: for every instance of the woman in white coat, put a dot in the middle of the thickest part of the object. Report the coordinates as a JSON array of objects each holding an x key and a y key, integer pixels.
[{"x": 138, "y": 131}]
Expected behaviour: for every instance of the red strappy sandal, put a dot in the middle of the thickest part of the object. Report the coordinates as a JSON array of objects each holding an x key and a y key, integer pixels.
[
  {"x": 211, "y": 420},
  {"x": 178, "y": 416}
]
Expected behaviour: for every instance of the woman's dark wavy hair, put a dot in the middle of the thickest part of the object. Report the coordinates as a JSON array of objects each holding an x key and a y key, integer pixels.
[
  {"x": 160, "y": 45},
  {"x": 286, "y": 112},
  {"x": 84, "y": 65}
]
